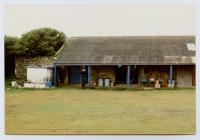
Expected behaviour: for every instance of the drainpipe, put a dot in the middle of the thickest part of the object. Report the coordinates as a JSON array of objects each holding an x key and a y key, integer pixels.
[{"x": 128, "y": 75}]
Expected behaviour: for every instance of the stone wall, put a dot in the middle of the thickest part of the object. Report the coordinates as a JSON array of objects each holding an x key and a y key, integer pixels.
[
  {"x": 184, "y": 76},
  {"x": 21, "y": 64},
  {"x": 103, "y": 72}
]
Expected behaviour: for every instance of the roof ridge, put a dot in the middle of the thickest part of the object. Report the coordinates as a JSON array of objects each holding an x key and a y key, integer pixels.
[{"x": 132, "y": 36}]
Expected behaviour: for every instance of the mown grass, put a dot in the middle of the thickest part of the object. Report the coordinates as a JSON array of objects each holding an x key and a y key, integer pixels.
[{"x": 89, "y": 111}]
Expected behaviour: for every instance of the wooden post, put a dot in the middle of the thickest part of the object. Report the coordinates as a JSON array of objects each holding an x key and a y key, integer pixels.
[
  {"x": 170, "y": 74},
  {"x": 128, "y": 75},
  {"x": 89, "y": 73},
  {"x": 54, "y": 75}
]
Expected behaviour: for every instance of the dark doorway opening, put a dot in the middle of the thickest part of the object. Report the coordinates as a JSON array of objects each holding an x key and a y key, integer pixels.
[
  {"x": 134, "y": 75},
  {"x": 120, "y": 74}
]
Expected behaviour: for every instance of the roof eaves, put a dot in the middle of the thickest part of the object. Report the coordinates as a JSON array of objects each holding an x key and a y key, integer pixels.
[{"x": 62, "y": 47}]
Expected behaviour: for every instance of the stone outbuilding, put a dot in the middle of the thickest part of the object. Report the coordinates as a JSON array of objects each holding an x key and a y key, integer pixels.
[{"x": 128, "y": 60}]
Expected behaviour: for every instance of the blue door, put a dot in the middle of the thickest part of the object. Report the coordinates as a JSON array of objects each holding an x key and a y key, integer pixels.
[{"x": 74, "y": 75}]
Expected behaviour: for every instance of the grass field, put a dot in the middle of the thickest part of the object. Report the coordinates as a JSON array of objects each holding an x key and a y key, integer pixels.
[{"x": 89, "y": 111}]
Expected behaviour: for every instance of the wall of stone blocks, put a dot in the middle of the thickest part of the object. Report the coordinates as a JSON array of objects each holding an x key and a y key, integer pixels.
[
  {"x": 184, "y": 76},
  {"x": 102, "y": 72},
  {"x": 21, "y": 64}
]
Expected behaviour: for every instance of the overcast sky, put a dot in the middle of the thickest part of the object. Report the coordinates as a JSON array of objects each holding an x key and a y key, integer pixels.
[{"x": 102, "y": 20}]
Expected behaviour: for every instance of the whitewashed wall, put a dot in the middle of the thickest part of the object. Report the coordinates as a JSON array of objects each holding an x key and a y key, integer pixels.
[{"x": 39, "y": 74}]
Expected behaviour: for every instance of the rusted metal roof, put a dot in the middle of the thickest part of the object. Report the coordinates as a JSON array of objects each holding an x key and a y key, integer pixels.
[{"x": 133, "y": 50}]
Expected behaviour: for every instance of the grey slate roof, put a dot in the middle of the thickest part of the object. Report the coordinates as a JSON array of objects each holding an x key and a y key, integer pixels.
[{"x": 134, "y": 50}]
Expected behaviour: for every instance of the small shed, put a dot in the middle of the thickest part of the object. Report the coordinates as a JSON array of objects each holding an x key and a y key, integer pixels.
[{"x": 39, "y": 76}]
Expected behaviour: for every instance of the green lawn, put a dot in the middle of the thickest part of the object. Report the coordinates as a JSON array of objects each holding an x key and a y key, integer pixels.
[{"x": 89, "y": 111}]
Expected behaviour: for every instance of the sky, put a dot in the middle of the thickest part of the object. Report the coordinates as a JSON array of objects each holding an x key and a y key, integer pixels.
[{"x": 101, "y": 20}]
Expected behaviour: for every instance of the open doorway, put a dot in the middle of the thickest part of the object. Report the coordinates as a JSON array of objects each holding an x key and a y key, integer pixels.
[
  {"x": 120, "y": 74},
  {"x": 134, "y": 79}
]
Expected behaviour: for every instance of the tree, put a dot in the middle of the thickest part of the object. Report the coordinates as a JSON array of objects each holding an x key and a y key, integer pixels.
[
  {"x": 9, "y": 44},
  {"x": 39, "y": 42}
]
